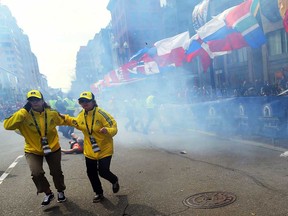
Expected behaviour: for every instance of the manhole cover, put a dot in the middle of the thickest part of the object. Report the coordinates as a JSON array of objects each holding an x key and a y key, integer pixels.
[{"x": 208, "y": 200}]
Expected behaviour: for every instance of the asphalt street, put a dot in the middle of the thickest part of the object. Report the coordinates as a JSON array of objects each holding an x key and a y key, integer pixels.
[{"x": 158, "y": 174}]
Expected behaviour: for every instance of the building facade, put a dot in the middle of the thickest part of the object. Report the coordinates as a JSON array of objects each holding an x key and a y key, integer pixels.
[
  {"x": 134, "y": 25},
  {"x": 19, "y": 69},
  {"x": 174, "y": 17}
]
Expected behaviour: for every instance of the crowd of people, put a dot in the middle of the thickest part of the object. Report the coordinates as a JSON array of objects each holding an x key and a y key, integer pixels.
[
  {"x": 8, "y": 107},
  {"x": 246, "y": 89}
]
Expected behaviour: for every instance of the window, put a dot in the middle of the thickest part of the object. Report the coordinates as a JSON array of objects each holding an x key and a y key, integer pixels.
[
  {"x": 242, "y": 55},
  {"x": 277, "y": 42},
  {"x": 284, "y": 41},
  {"x": 238, "y": 56}
]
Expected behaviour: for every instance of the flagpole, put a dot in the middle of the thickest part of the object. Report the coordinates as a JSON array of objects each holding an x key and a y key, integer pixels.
[{"x": 212, "y": 78}]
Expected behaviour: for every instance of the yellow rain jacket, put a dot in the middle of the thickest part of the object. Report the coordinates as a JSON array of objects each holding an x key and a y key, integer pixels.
[
  {"x": 104, "y": 141},
  {"x": 22, "y": 120},
  {"x": 150, "y": 102}
]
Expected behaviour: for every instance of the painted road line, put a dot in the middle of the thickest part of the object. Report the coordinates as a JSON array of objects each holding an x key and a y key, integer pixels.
[{"x": 7, "y": 172}]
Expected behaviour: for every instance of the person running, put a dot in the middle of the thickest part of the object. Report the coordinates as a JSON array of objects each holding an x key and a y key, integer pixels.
[
  {"x": 98, "y": 128},
  {"x": 76, "y": 145},
  {"x": 153, "y": 115},
  {"x": 37, "y": 122}
]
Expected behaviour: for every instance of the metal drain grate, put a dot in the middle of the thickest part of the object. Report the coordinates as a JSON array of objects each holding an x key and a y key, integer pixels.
[{"x": 209, "y": 200}]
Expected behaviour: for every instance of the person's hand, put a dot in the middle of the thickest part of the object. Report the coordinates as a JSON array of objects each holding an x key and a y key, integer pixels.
[
  {"x": 103, "y": 130},
  {"x": 27, "y": 106}
]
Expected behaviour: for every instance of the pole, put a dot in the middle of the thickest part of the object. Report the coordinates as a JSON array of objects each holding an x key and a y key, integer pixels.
[{"x": 212, "y": 78}]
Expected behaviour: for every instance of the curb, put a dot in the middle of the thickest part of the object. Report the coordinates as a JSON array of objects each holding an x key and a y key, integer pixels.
[{"x": 247, "y": 142}]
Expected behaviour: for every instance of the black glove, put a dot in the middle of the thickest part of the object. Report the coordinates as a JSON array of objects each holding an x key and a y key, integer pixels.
[{"x": 27, "y": 106}]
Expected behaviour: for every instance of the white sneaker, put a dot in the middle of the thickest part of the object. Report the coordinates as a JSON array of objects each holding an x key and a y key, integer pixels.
[
  {"x": 47, "y": 199},
  {"x": 61, "y": 197}
]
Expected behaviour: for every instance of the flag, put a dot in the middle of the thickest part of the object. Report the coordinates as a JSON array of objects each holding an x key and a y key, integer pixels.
[
  {"x": 283, "y": 7},
  {"x": 172, "y": 50},
  {"x": 150, "y": 66},
  {"x": 114, "y": 77},
  {"x": 231, "y": 42},
  {"x": 119, "y": 75},
  {"x": 147, "y": 66},
  {"x": 196, "y": 48},
  {"x": 212, "y": 48},
  {"x": 205, "y": 59},
  {"x": 176, "y": 58},
  {"x": 139, "y": 54},
  {"x": 107, "y": 79},
  {"x": 98, "y": 86},
  {"x": 95, "y": 88},
  {"x": 167, "y": 45},
  {"x": 242, "y": 19},
  {"x": 129, "y": 65},
  {"x": 270, "y": 9},
  {"x": 285, "y": 21},
  {"x": 205, "y": 51},
  {"x": 219, "y": 36},
  {"x": 213, "y": 39},
  {"x": 199, "y": 14},
  {"x": 216, "y": 28},
  {"x": 194, "y": 44},
  {"x": 254, "y": 7},
  {"x": 137, "y": 69}
]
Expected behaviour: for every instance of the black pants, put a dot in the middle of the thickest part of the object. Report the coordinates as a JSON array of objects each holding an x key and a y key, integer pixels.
[{"x": 101, "y": 167}]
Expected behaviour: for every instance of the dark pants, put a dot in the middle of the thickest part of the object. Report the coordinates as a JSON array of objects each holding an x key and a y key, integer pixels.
[
  {"x": 35, "y": 163},
  {"x": 101, "y": 167}
]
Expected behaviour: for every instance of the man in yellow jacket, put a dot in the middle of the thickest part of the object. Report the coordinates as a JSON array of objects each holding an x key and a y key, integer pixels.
[
  {"x": 37, "y": 122},
  {"x": 98, "y": 128}
]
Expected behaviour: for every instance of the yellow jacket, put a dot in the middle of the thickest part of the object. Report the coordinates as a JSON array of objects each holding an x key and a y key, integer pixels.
[
  {"x": 150, "y": 102},
  {"x": 23, "y": 121},
  {"x": 71, "y": 104},
  {"x": 104, "y": 141}
]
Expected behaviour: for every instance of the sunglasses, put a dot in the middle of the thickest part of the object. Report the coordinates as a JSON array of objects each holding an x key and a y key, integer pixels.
[
  {"x": 84, "y": 101},
  {"x": 34, "y": 99}
]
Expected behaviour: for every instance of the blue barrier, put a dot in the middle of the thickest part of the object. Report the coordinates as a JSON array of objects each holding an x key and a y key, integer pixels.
[{"x": 264, "y": 116}]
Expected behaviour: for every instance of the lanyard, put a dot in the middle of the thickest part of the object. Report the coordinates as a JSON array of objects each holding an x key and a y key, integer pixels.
[
  {"x": 36, "y": 124},
  {"x": 93, "y": 117}
]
